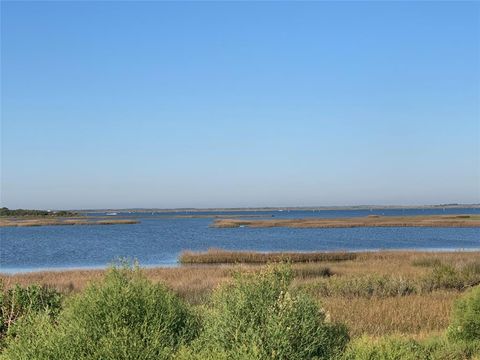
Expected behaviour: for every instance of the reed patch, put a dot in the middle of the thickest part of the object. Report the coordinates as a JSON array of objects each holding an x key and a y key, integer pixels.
[{"x": 218, "y": 256}]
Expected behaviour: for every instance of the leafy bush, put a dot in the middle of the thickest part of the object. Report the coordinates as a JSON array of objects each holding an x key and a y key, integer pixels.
[
  {"x": 465, "y": 324},
  {"x": 257, "y": 317},
  {"x": 22, "y": 301},
  {"x": 125, "y": 317}
]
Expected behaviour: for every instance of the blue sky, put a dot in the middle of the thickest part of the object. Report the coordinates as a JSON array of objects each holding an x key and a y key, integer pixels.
[{"x": 150, "y": 104}]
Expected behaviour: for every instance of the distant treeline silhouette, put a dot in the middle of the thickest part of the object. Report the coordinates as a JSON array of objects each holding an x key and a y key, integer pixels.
[{"x": 23, "y": 212}]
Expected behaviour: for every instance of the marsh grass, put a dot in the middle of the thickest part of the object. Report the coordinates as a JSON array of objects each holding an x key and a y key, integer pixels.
[
  {"x": 217, "y": 256},
  {"x": 427, "y": 262},
  {"x": 308, "y": 272},
  {"x": 367, "y": 221},
  {"x": 365, "y": 286},
  {"x": 412, "y": 315},
  {"x": 446, "y": 276}
]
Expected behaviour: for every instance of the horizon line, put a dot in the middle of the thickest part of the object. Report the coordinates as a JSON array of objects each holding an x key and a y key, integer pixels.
[{"x": 266, "y": 208}]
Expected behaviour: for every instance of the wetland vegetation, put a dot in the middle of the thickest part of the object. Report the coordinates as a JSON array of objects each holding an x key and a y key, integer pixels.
[
  {"x": 367, "y": 221},
  {"x": 378, "y": 305}
]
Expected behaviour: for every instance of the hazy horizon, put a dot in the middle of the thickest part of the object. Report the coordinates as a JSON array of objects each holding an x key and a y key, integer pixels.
[
  {"x": 276, "y": 207},
  {"x": 224, "y": 105}
]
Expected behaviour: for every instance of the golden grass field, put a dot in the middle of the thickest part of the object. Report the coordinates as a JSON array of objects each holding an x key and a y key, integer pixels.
[
  {"x": 44, "y": 221},
  {"x": 368, "y": 221},
  {"x": 417, "y": 314}
]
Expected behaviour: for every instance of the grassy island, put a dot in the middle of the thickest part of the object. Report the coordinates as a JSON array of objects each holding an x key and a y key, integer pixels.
[{"x": 368, "y": 221}]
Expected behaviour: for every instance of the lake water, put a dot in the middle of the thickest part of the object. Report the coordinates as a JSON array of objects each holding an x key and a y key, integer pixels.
[{"x": 159, "y": 238}]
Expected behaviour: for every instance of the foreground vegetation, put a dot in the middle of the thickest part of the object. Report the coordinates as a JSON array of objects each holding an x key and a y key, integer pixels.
[
  {"x": 381, "y": 305},
  {"x": 376, "y": 310},
  {"x": 367, "y": 221},
  {"x": 257, "y": 314}
]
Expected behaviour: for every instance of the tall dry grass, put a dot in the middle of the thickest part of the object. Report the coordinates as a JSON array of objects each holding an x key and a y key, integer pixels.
[{"x": 409, "y": 315}]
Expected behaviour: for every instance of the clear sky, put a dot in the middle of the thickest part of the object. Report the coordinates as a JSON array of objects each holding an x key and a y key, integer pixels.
[{"x": 149, "y": 104}]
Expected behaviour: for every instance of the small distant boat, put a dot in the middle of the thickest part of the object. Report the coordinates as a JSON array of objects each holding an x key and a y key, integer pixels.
[{"x": 111, "y": 214}]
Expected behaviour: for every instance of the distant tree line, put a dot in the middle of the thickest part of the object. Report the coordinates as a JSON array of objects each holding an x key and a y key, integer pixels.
[{"x": 24, "y": 212}]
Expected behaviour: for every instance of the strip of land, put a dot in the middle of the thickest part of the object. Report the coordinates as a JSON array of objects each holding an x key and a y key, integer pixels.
[
  {"x": 368, "y": 221},
  {"x": 49, "y": 221}
]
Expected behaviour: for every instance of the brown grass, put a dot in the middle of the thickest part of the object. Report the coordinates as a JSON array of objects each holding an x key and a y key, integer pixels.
[
  {"x": 217, "y": 256},
  {"x": 413, "y": 314},
  {"x": 39, "y": 221},
  {"x": 368, "y": 221}
]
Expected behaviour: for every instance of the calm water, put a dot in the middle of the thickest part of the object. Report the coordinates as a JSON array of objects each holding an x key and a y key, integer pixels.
[{"x": 159, "y": 239}]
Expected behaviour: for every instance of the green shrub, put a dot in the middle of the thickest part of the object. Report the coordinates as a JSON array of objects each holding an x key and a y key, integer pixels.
[
  {"x": 257, "y": 317},
  {"x": 465, "y": 324},
  {"x": 124, "y": 317},
  {"x": 22, "y": 301},
  {"x": 35, "y": 338}
]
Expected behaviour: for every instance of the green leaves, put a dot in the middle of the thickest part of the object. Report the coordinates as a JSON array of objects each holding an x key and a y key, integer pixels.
[{"x": 466, "y": 317}]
